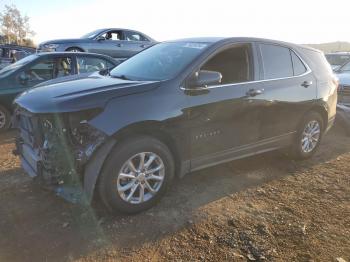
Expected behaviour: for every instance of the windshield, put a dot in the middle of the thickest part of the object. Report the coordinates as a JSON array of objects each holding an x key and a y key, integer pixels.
[
  {"x": 13, "y": 67},
  {"x": 92, "y": 34},
  {"x": 160, "y": 62}
]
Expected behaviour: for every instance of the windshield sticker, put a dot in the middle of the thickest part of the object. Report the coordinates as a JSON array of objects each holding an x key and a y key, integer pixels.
[{"x": 196, "y": 45}]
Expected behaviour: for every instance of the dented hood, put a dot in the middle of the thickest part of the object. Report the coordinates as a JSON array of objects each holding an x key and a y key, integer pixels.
[{"x": 76, "y": 93}]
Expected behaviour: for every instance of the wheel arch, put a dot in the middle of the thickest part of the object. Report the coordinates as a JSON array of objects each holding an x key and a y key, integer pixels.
[
  {"x": 322, "y": 110},
  {"x": 148, "y": 128},
  {"x": 153, "y": 129}
]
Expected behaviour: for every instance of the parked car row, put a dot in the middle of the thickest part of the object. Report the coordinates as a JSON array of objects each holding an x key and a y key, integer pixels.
[
  {"x": 115, "y": 42},
  {"x": 174, "y": 108},
  {"x": 52, "y": 62}
]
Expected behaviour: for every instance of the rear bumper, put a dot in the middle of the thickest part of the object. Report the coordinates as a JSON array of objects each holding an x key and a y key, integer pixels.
[{"x": 343, "y": 116}]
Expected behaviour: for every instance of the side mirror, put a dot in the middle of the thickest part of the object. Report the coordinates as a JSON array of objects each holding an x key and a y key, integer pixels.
[
  {"x": 100, "y": 38},
  {"x": 204, "y": 78},
  {"x": 106, "y": 71}
]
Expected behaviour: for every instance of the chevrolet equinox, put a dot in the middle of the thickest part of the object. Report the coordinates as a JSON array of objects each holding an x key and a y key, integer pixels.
[{"x": 174, "y": 108}]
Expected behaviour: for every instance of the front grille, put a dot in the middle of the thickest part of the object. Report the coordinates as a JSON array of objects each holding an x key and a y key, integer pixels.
[{"x": 30, "y": 131}]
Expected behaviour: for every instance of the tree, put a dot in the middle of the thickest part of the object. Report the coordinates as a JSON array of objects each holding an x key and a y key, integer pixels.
[{"x": 15, "y": 27}]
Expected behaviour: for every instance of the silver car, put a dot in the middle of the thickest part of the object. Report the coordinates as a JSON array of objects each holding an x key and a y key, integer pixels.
[{"x": 115, "y": 42}]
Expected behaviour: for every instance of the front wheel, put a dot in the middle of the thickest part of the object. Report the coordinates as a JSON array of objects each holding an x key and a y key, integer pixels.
[
  {"x": 5, "y": 117},
  {"x": 136, "y": 175},
  {"x": 308, "y": 137}
]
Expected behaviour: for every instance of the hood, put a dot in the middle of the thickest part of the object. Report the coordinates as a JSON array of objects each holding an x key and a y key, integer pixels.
[
  {"x": 71, "y": 95},
  {"x": 344, "y": 78},
  {"x": 64, "y": 41}
]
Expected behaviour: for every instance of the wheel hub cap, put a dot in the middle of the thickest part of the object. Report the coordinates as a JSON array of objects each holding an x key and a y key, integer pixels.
[
  {"x": 311, "y": 136},
  {"x": 140, "y": 178}
]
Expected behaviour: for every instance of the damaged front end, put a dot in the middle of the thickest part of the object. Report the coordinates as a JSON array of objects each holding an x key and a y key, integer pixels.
[{"x": 55, "y": 148}]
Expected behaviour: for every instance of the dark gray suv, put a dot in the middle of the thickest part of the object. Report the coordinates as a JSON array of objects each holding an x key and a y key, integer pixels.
[{"x": 115, "y": 42}]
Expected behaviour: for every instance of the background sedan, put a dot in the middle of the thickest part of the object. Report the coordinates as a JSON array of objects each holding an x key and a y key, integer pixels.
[{"x": 118, "y": 43}]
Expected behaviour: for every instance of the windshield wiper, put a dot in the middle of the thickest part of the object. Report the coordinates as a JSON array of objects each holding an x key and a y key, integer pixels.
[{"x": 121, "y": 77}]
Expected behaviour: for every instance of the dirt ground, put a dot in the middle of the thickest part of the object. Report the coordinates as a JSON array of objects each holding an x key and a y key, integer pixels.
[{"x": 264, "y": 208}]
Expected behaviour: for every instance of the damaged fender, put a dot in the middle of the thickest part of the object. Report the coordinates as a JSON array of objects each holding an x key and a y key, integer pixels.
[{"x": 94, "y": 167}]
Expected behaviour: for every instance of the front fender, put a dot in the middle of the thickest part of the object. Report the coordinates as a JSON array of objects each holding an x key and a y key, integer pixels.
[
  {"x": 93, "y": 168},
  {"x": 124, "y": 111}
]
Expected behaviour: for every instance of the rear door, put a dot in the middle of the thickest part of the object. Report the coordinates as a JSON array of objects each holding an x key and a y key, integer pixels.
[
  {"x": 134, "y": 42},
  {"x": 289, "y": 91}
]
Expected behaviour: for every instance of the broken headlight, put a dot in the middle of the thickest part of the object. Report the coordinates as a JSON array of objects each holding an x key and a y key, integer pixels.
[{"x": 81, "y": 132}]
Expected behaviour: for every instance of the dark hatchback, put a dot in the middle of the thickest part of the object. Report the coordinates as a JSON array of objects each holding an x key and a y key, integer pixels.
[
  {"x": 38, "y": 68},
  {"x": 174, "y": 108}
]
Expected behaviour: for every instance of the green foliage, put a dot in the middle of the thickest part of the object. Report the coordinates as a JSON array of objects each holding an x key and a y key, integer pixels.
[{"x": 15, "y": 27}]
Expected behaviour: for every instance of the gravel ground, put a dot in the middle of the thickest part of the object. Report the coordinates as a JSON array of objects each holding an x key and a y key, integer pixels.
[{"x": 264, "y": 208}]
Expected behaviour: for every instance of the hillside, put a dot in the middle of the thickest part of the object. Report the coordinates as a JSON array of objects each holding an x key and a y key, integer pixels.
[{"x": 332, "y": 47}]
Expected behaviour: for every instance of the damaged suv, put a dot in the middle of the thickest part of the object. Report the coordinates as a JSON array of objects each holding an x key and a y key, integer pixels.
[{"x": 174, "y": 108}]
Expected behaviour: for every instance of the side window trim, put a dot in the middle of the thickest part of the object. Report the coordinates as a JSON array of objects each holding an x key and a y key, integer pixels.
[{"x": 260, "y": 68}]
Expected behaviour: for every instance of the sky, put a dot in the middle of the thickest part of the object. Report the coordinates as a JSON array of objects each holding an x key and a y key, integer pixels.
[{"x": 298, "y": 21}]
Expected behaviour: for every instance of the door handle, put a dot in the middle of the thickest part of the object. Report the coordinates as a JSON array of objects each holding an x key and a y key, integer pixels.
[
  {"x": 306, "y": 84},
  {"x": 255, "y": 92}
]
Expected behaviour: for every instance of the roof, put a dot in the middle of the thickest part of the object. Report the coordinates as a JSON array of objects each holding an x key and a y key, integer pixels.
[
  {"x": 213, "y": 40},
  {"x": 67, "y": 53}
]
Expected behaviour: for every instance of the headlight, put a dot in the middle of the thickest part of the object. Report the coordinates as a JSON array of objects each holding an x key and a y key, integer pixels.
[{"x": 50, "y": 46}]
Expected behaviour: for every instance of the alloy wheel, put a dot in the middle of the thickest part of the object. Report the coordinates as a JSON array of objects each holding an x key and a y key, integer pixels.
[
  {"x": 310, "y": 136},
  {"x": 140, "y": 177}
]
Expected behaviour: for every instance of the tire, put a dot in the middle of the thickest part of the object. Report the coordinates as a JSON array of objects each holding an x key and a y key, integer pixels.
[
  {"x": 117, "y": 175},
  {"x": 300, "y": 150},
  {"x": 5, "y": 119},
  {"x": 74, "y": 49}
]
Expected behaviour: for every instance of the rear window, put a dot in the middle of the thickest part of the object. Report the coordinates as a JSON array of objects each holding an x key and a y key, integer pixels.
[{"x": 277, "y": 62}]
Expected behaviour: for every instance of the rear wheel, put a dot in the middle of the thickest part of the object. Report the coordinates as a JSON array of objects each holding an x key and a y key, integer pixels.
[
  {"x": 309, "y": 136},
  {"x": 5, "y": 117},
  {"x": 136, "y": 175}
]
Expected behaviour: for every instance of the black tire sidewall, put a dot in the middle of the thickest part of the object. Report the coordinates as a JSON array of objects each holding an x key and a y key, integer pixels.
[
  {"x": 7, "y": 119},
  {"x": 298, "y": 152},
  {"x": 118, "y": 156}
]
